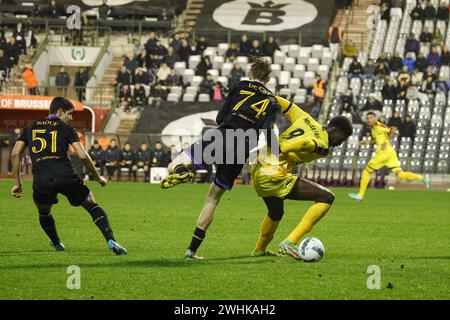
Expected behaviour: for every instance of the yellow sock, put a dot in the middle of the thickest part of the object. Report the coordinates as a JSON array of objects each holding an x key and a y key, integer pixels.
[
  {"x": 365, "y": 179},
  {"x": 311, "y": 217},
  {"x": 409, "y": 175},
  {"x": 268, "y": 228}
]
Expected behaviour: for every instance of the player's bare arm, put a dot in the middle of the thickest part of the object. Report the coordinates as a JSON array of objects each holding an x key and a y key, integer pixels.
[
  {"x": 88, "y": 163},
  {"x": 19, "y": 147}
]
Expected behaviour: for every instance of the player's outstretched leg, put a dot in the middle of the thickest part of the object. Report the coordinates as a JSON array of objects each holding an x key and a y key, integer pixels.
[
  {"x": 48, "y": 225},
  {"x": 269, "y": 225},
  {"x": 101, "y": 221},
  {"x": 365, "y": 179},
  {"x": 179, "y": 172},
  {"x": 406, "y": 175},
  {"x": 323, "y": 197}
]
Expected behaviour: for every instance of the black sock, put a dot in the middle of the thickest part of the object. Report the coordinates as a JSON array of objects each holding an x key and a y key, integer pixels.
[
  {"x": 180, "y": 169},
  {"x": 101, "y": 221},
  {"x": 48, "y": 225},
  {"x": 197, "y": 239}
]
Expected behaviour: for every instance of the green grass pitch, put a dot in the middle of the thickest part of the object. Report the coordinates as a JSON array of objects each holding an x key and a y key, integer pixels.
[{"x": 405, "y": 233}]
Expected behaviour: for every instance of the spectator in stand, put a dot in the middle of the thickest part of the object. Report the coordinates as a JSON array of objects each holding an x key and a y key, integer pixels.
[
  {"x": 381, "y": 71},
  {"x": 396, "y": 62},
  {"x": 201, "y": 45},
  {"x": 429, "y": 13},
  {"x": 3, "y": 67},
  {"x": 112, "y": 157},
  {"x": 159, "y": 50},
  {"x": 19, "y": 35},
  {"x": 335, "y": 34},
  {"x": 389, "y": 91},
  {"x": 171, "y": 57},
  {"x": 203, "y": 66},
  {"x": 442, "y": 13},
  {"x": 268, "y": 47},
  {"x": 219, "y": 92},
  {"x": 356, "y": 69},
  {"x": 430, "y": 72},
  {"x": 130, "y": 62},
  {"x": 445, "y": 56},
  {"x": 232, "y": 52},
  {"x": 185, "y": 51},
  {"x": 142, "y": 77},
  {"x": 429, "y": 87},
  {"x": 207, "y": 84},
  {"x": 383, "y": 59},
  {"x": 55, "y": 10},
  {"x": 372, "y": 104},
  {"x": 30, "y": 80},
  {"x": 143, "y": 59},
  {"x": 142, "y": 162},
  {"x": 13, "y": 52},
  {"x": 402, "y": 90},
  {"x": 151, "y": 43},
  {"x": 97, "y": 155},
  {"x": 62, "y": 81},
  {"x": 416, "y": 78},
  {"x": 421, "y": 62},
  {"x": 255, "y": 49},
  {"x": 385, "y": 11},
  {"x": 244, "y": 46},
  {"x": 349, "y": 49},
  {"x": 139, "y": 97},
  {"x": 412, "y": 45},
  {"x": 369, "y": 70},
  {"x": 175, "y": 43},
  {"x": 395, "y": 121},
  {"x": 408, "y": 128},
  {"x": 80, "y": 82},
  {"x": 123, "y": 76},
  {"x": 235, "y": 75},
  {"x": 174, "y": 79},
  {"x": 104, "y": 10},
  {"x": 417, "y": 13},
  {"x": 434, "y": 59},
  {"x": 163, "y": 72},
  {"x": 426, "y": 36},
  {"x": 404, "y": 75},
  {"x": 125, "y": 97},
  {"x": 157, "y": 94},
  {"x": 126, "y": 161},
  {"x": 349, "y": 106},
  {"x": 409, "y": 61},
  {"x": 438, "y": 38},
  {"x": 319, "y": 87},
  {"x": 443, "y": 85},
  {"x": 159, "y": 157},
  {"x": 155, "y": 62}
]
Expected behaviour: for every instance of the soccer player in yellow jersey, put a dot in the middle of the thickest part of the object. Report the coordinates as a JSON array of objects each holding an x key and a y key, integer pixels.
[
  {"x": 304, "y": 141},
  {"x": 385, "y": 155}
]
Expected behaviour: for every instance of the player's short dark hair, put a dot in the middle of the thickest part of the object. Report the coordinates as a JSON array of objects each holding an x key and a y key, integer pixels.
[
  {"x": 371, "y": 113},
  {"x": 260, "y": 69},
  {"x": 60, "y": 103},
  {"x": 343, "y": 124}
]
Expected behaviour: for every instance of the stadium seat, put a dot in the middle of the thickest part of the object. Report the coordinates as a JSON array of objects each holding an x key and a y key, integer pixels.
[
  {"x": 280, "y": 57},
  {"x": 204, "y": 97},
  {"x": 196, "y": 80},
  {"x": 313, "y": 64},
  {"x": 317, "y": 51},
  {"x": 218, "y": 62},
  {"x": 323, "y": 71},
  {"x": 192, "y": 90},
  {"x": 222, "y": 48},
  {"x": 289, "y": 64},
  {"x": 193, "y": 61},
  {"x": 214, "y": 73},
  {"x": 294, "y": 84},
  {"x": 189, "y": 97},
  {"x": 276, "y": 69},
  {"x": 299, "y": 71},
  {"x": 223, "y": 81},
  {"x": 173, "y": 97},
  {"x": 284, "y": 78},
  {"x": 285, "y": 93},
  {"x": 303, "y": 56},
  {"x": 226, "y": 69},
  {"x": 298, "y": 100},
  {"x": 293, "y": 50},
  {"x": 308, "y": 79},
  {"x": 243, "y": 61},
  {"x": 176, "y": 90},
  {"x": 180, "y": 67},
  {"x": 188, "y": 74}
]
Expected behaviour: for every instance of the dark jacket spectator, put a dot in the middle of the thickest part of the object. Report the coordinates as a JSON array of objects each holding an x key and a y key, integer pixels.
[
  {"x": 412, "y": 45},
  {"x": 235, "y": 75},
  {"x": 171, "y": 57},
  {"x": 139, "y": 98},
  {"x": 429, "y": 86},
  {"x": 389, "y": 91},
  {"x": 19, "y": 35},
  {"x": 98, "y": 156},
  {"x": 125, "y": 95},
  {"x": 232, "y": 52},
  {"x": 417, "y": 12},
  {"x": 355, "y": 68},
  {"x": 429, "y": 13},
  {"x": 130, "y": 62},
  {"x": 244, "y": 46},
  {"x": 174, "y": 79},
  {"x": 143, "y": 59},
  {"x": 445, "y": 56},
  {"x": 442, "y": 13},
  {"x": 206, "y": 85},
  {"x": 268, "y": 47},
  {"x": 421, "y": 63},
  {"x": 175, "y": 43},
  {"x": 255, "y": 49},
  {"x": 143, "y": 77},
  {"x": 402, "y": 90},
  {"x": 185, "y": 51},
  {"x": 159, "y": 157},
  {"x": 159, "y": 50},
  {"x": 203, "y": 66},
  {"x": 123, "y": 76},
  {"x": 112, "y": 153},
  {"x": 55, "y": 9},
  {"x": 151, "y": 43},
  {"x": 201, "y": 45},
  {"x": 62, "y": 78},
  {"x": 408, "y": 128},
  {"x": 13, "y": 52},
  {"x": 396, "y": 62},
  {"x": 156, "y": 91},
  {"x": 426, "y": 36},
  {"x": 395, "y": 121},
  {"x": 372, "y": 104},
  {"x": 434, "y": 59},
  {"x": 104, "y": 11}
]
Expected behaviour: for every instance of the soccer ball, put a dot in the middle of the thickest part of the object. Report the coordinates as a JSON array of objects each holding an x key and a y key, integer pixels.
[{"x": 311, "y": 249}]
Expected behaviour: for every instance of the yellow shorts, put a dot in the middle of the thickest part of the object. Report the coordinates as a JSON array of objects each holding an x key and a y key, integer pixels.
[
  {"x": 271, "y": 185},
  {"x": 384, "y": 158}
]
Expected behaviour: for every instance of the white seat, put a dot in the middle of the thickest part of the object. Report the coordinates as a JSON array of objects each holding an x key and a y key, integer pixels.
[
  {"x": 188, "y": 74},
  {"x": 210, "y": 51},
  {"x": 173, "y": 97},
  {"x": 193, "y": 61},
  {"x": 223, "y": 81},
  {"x": 299, "y": 71},
  {"x": 294, "y": 85},
  {"x": 176, "y": 90},
  {"x": 191, "y": 90},
  {"x": 293, "y": 50},
  {"x": 317, "y": 51},
  {"x": 303, "y": 56},
  {"x": 243, "y": 61},
  {"x": 226, "y": 69},
  {"x": 313, "y": 64},
  {"x": 189, "y": 97},
  {"x": 279, "y": 57},
  {"x": 308, "y": 79},
  {"x": 222, "y": 48},
  {"x": 179, "y": 67},
  {"x": 284, "y": 78},
  {"x": 323, "y": 71},
  {"x": 214, "y": 73},
  {"x": 285, "y": 93},
  {"x": 204, "y": 97},
  {"x": 299, "y": 99},
  {"x": 276, "y": 69},
  {"x": 289, "y": 64},
  {"x": 196, "y": 81},
  {"x": 327, "y": 58},
  {"x": 218, "y": 62}
]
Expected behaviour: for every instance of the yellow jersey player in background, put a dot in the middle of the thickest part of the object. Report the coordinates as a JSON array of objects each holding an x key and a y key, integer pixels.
[
  {"x": 304, "y": 141},
  {"x": 385, "y": 155}
]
